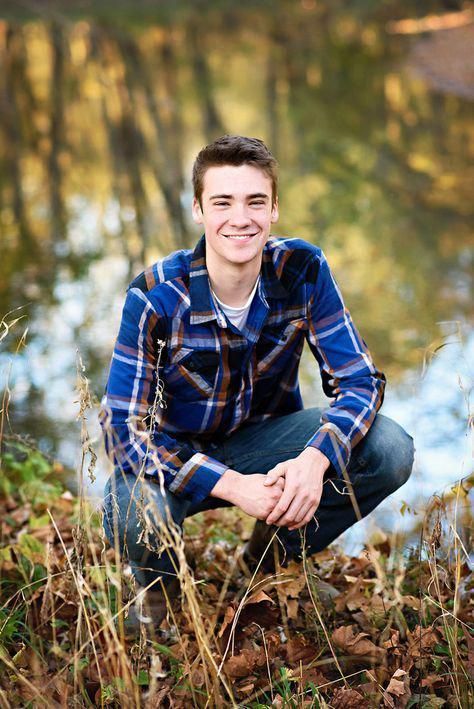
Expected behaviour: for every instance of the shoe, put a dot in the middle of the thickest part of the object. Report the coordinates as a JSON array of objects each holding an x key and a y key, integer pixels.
[
  {"x": 259, "y": 550},
  {"x": 151, "y": 608},
  {"x": 327, "y": 593}
]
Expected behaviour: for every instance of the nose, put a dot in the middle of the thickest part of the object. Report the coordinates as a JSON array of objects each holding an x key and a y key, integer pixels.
[{"x": 239, "y": 216}]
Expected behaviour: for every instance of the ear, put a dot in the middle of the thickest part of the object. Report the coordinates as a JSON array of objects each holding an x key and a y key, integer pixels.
[
  {"x": 197, "y": 212},
  {"x": 275, "y": 211}
]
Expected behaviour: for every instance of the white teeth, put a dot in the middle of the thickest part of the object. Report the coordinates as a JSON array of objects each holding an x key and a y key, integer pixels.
[{"x": 241, "y": 236}]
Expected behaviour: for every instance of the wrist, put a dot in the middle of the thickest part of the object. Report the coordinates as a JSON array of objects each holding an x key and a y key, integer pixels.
[
  {"x": 317, "y": 458},
  {"x": 227, "y": 486}
]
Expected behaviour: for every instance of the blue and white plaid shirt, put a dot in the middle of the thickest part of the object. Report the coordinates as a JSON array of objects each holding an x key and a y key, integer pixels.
[{"x": 182, "y": 376}]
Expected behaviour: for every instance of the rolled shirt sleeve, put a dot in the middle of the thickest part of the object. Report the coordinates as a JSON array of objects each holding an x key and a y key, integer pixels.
[
  {"x": 347, "y": 370},
  {"x": 128, "y": 412}
]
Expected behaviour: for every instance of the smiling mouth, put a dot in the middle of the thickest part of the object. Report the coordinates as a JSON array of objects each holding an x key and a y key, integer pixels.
[{"x": 238, "y": 236}]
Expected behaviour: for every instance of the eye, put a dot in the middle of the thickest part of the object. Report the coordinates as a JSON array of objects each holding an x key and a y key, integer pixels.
[
  {"x": 221, "y": 204},
  {"x": 257, "y": 203}
]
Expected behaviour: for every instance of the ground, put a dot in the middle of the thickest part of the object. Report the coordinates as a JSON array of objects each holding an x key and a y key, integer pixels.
[{"x": 391, "y": 627}]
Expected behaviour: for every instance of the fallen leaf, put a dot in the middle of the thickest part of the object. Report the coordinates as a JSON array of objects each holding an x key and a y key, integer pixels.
[
  {"x": 228, "y": 618},
  {"x": 432, "y": 681},
  {"x": 396, "y": 685},
  {"x": 242, "y": 664},
  {"x": 299, "y": 650},
  {"x": 470, "y": 653},
  {"x": 348, "y": 699},
  {"x": 356, "y": 565},
  {"x": 303, "y": 674},
  {"x": 421, "y": 640},
  {"x": 292, "y": 585},
  {"x": 197, "y": 678},
  {"x": 345, "y": 639},
  {"x": 372, "y": 690},
  {"x": 363, "y": 622},
  {"x": 258, "y": 597},
  {"x": 156, "y": 699},
  {"x": 411, "y": 602},
  {"x": 245, "y": 688},
  {"x": 393, "y": 644},
  {"x": 258, "y": 608},
  {"x": 399, "y": 687},
  {"x": 292, "y": 608}
]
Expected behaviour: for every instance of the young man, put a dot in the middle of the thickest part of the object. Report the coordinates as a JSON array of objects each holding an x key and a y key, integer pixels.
[{"x": 203, "y": 407}]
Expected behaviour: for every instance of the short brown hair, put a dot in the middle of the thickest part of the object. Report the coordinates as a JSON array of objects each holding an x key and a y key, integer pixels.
[{"x": 234, "y": 150}]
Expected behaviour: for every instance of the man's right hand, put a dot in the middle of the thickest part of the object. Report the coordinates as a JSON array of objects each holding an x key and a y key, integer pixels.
[{"x": 249, "y": 492}]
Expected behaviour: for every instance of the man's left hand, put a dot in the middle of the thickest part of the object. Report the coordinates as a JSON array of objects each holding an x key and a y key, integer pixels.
[{"x": 303, "y": 488}]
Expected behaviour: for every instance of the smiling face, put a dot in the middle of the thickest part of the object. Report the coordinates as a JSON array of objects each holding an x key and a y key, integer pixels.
[{"x": 237, "y": 214}]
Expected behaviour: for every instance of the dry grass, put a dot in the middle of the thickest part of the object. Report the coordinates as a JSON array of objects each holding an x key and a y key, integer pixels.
[
  {"x": 268, "y": 638},
  {"x": 397, "y": 634}
]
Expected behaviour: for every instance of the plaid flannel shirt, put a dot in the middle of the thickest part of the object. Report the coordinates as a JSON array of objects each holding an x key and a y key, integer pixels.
[{"x": 182, "y": 376}]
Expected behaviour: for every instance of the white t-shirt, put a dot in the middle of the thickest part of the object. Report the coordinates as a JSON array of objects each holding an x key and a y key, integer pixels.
[{"x": 238, "y": 316}]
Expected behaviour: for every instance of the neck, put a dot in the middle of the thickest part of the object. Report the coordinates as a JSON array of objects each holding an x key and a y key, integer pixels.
[{"x": 232, "y": 283}]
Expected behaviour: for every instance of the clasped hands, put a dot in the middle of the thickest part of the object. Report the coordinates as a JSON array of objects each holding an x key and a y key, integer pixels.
[
  {"x": 303, "y": 486},
  {"x": 287, "y": 496}
]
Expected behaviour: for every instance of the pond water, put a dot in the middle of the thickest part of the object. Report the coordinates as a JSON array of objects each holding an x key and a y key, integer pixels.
[{"x": 102, "y": 113}]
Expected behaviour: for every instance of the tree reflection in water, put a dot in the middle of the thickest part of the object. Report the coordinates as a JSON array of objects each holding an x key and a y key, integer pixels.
[{"x": 101, "y": 117}]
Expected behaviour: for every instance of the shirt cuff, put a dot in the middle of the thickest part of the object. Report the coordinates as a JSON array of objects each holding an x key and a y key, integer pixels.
[
  {"x": 331, "y": 441},
  {"x": 197, "y": 477}
]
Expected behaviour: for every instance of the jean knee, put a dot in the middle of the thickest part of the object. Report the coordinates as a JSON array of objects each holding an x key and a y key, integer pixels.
[
  {"x": 399, "y": 457},
  {"x": 136, "y": 514},
  {"x": 110, "y": 514}
]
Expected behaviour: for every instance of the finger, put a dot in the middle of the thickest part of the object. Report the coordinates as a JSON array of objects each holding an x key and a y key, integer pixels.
[
  {"x": 307, "y": 511},
  {"x": 309, "y": 508},
  {"x": 304, "y": 510},
  {"x": 294, "y": 513},
  {"x": 275, "y": 474},
  {"x": 307, "y": 519},
  {"x": 281, "y": 506}
]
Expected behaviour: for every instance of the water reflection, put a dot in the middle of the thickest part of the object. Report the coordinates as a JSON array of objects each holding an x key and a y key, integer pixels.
[{"x": 100, "y": 121}]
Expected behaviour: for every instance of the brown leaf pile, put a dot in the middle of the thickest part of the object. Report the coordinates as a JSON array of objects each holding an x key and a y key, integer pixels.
[{"x": 356, "y": 637}]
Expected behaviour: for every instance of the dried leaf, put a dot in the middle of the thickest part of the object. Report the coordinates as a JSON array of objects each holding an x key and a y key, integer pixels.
[
  {"x": 242, "y": 665},
  {"x": 411, "y": 602},
  {"x": 356, "y": 565},
  {"x": 432, "y": 681},
  {"x": 421, "y": 641},
  {"x": 396, "y": 685},
  {"x": 299, "y": 650},
  {"x": 197, "y": 678},
  {"x": 246, "y": 687},
  {"x": 470, "y": 653},
  {"x": 303, "y": 674},
  {"x": 258, "y": 608},
  {"x": 228, "y": 618},
  {"x": 293, "y": 583},
  {"x": 292, "y": 608},
  {"x": 258, "y": 597},
  {"x": 393, "y": 644},
  {"x": 345, "y": 639},
  {"x": 348, "y": 699},
  {"x": 155, "y": 699},
  {"x": 399, "y": 687}
]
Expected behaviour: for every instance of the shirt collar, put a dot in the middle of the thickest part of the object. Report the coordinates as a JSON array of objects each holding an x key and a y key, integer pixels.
[
  {"x": 202, "y": 305},
  {"x": 202, "y": 308}
]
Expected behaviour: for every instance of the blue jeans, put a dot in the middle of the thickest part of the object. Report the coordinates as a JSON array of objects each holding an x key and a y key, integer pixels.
[{"x": 379, "y": 465}]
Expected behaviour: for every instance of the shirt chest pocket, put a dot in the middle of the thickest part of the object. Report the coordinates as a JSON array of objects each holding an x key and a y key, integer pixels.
[
  {"x": 277, "y": 345},
  {"x": 192, "y": 374}
]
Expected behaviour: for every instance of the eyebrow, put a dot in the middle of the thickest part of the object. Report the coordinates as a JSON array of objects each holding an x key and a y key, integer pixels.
[{"x": 260, "y": 195}]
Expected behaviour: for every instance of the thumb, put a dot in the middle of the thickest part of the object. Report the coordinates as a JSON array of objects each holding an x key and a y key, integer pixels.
[{"x": 274, "y": 474}]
